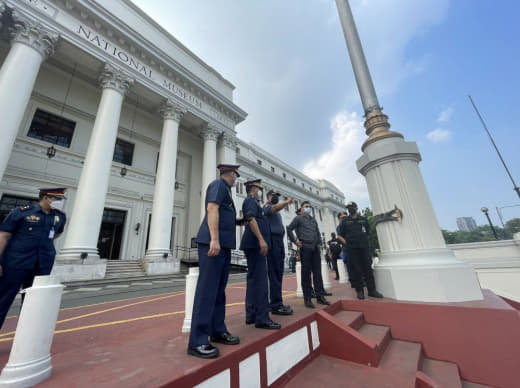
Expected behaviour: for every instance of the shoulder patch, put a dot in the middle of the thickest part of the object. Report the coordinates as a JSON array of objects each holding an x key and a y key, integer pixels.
[{"x": 26, "y": 207}]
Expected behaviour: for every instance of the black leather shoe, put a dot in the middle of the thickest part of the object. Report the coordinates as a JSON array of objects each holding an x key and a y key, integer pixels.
[
  {"x": 322, "y": 300},
  {"x": 268, "y": 325},
  {"x": 375, "y": 294},
  {"x": 225, "y": 338},
  {"x": 360, "y": 294},
  {"x": 327, "y": 293},
  {"x": 282, "y": 310},
  {"x": 336, "y": 278},
  {"x": 203, "y": 351},
  {"x": 313, "y": 294},
  {"x": 250, "y": 321},
  {"x": 309, "y": 304}
]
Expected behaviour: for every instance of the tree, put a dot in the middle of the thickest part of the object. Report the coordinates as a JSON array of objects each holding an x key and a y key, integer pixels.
[
  {"x": 513, "y": 226},
  {"x": 372, "y": 236},
  {"x": 480, "y": 234}
]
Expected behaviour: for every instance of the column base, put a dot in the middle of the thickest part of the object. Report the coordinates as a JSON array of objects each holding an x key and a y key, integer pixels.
[
  {"x": 432, "y": 275},
  {"x": 70, "y": 267},
  {"x": 26, "y": 374},
  {"x": 160, "y": 262}
]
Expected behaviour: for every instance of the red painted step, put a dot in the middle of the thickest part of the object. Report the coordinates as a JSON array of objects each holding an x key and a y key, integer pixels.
[
  {"x": 354, "y": 319},
  {"x": 401, "y": 356},
  {"x": 379, "y": 334},
  {"x": 446, "y": 374}
]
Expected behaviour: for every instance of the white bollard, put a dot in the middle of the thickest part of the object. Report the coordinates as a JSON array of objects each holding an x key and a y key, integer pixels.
[
  {"x": 30, "y": 358},
  {"x": 325, "y": 275},
  {"x": 191, "y": 285},
  {"x": 299, "y": 291},
  {"x": 341, "y": 271}
]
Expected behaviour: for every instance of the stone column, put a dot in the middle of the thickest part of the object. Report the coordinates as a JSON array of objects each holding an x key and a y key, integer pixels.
[
  {"x": 158, "y": 258},
  {"x": 209, "y": 134},
  {"x": 227, "y": 153},
  {"x": 87, "y": 213},
  {"x": 414, "y": 264},
  {"x": 31, "y": 44}
]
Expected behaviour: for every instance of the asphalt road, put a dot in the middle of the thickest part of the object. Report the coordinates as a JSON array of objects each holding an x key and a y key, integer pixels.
[{"x": 88, "y": 295}]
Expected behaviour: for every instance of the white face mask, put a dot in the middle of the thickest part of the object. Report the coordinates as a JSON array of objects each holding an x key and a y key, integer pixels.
[
  {"x": 58, "y": 205},
  {"x": 259, "y": 195},
  {"x": 307, "y": 210}
]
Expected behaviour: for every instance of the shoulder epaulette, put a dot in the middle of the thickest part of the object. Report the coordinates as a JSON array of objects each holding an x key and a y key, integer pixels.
[{"x": 26, "y": 207}]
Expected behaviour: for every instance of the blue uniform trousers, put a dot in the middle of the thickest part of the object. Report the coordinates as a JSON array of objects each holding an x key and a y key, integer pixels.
[
  {"x": 275, "y": 265},
  {"x": 257, "y": 300},
  {"x": 209, "y": 305},
  {"x": 10, "y": 283}
]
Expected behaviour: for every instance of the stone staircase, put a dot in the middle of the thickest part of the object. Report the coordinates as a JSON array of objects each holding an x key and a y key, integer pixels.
[
  {"x": 355, "y": 353},
  {"x": 117, "y": 269}
]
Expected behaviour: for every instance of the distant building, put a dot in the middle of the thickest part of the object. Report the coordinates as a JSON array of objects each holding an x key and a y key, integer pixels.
[{"x": 466, "y": 224}]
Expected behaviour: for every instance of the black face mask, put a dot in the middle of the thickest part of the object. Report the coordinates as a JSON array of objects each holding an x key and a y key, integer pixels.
[
  {"x": 352, "y": 211},
  {"x": 275, "y": 199}
]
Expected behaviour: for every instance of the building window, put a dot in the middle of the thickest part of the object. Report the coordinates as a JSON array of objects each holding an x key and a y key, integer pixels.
[
  {"x": 238, "y": 151},
  {"x": 303, "y": 185},
  {"x": 124, "y": 152},
  {"x": 296, "y": 207},
  {"x": 294, "y": 180},
  {"x": 9, "y": 202},
  {"x": 286, "y": 207},
  {"x": 272, "y": 169},
  {"x": 284, "y": 175},
  {"x": 259, "y": 162},
  {"x": 51, "y": 128}
]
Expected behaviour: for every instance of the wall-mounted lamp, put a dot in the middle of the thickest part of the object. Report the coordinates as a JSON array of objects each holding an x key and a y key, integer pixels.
[
  {"x": 177, "y": 185},
  {"x": 165, "y": 255},
  {"x": 51, "y": 152},
  {"x": 83, "y": 255},
  {"x": 137, "y": 227},
  {"x": 123, "y": 171}
]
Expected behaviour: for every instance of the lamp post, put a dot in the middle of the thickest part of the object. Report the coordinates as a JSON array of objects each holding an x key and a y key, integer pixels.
[
  {"x": 499, "y": 212},
  {"x": 485, "y": 211}
]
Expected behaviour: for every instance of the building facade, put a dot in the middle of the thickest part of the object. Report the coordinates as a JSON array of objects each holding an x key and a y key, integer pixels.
[
  {"x": 466, "y": 224},
  {"x": 98, "y": 98}
]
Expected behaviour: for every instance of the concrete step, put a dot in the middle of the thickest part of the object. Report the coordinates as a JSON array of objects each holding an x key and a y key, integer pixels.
[
  {"x": 402, "y": 356},
  {"x": 354, "y": 319},
  {"x": 379, "y": 334},
  {"x": 125, "y": 275},
  {"x": 446, "y": 374},
  {"x": 468, "y": 384}
]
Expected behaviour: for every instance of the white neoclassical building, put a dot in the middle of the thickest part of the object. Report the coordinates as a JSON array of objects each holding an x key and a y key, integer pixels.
[{"x": 98, "y": 98}]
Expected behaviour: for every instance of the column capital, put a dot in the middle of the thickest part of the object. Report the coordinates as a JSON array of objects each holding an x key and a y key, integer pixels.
[
  {"x": 113, "y": 78},
  {"x": 170, "y": 110},
  {"x": 229, "y": 140},
  {"x": 2, "y": 9},
  {"x": 210, "y": 131},
  {"x": 32, "y": 34}
]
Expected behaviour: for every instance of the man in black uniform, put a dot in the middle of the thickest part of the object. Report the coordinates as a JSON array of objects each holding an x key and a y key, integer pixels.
[
  {"x": 353, "y": 231},
  {"x": 27, "y": 245},
  {"x": 215, "y": 239},
  {"x": 335, "y": 250},
  {"x": 309, "y": 241}
]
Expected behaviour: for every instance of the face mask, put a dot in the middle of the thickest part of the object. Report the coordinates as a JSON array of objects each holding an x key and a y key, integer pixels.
[
  {"x": 307, "y": 210},
  {"x": 259, "y": 195},
  {"x": 352, "y": 211},
  {"x": 58, "y": 205},
  {"x": 274, "y": 199}
]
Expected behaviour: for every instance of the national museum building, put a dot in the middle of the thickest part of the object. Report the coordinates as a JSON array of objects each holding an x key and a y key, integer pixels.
[{"x": 96, "y": 97}]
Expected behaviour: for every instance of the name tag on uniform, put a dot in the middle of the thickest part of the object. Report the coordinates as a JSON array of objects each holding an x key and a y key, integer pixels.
[{"x": 51, "y": 233}]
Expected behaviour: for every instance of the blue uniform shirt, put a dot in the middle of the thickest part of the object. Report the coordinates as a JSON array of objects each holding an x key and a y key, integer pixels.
[
  {"x": 251, "y": 208},
  {"x": 32, "y": 237},
  {"x": 275, "y": 220},
  {"x": 219, "y": 192}
]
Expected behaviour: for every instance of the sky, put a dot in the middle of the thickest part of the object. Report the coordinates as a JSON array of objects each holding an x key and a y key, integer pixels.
[{"x": 289, "y": 63}]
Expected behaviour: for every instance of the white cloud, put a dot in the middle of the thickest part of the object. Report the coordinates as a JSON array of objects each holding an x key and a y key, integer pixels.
[
  {"x": 445, "y": 115},
  {"x": 439, "y": 135},
  {"x": 338, "y": 165}
]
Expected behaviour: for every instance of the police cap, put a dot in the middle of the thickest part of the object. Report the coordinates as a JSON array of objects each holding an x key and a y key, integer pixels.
[
  {"x": 58, "y": 192},
  {"x": 229, "y": 167},
  {"x": 254, "y": 182}
]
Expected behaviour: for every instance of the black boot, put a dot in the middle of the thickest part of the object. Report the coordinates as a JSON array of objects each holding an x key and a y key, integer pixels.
[
  {"x": 360, "y": 293},
  {"x": 375, "y": 294},
  {"x": 321, "y": 300},
  {"x": 309, "y": 304}
]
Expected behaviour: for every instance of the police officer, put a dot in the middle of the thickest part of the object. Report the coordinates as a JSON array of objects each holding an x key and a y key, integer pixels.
[
  {"x": 334, "y": 250},
  {"x": 276, "y": 255},
  {"x": 353, "y": 231},
  {"x": 215, "y": 239},
  {"x": 27, "y": 244},
  {"x": 309, "y": 241},
  {"x": 255, "y": 244}
]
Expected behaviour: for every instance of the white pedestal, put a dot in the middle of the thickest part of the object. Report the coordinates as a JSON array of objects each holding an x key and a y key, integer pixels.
[
  {"x": 415, "y": 264},
  {"x": 299, "y": 291},
  {"x": 191, "y": 285},
  {"x": 73, "y": 270},
  {"x": 30, "y": 359},
  {"x": 341, "y": 271},
  {"x": 161, "y": 266},
  {"x": 325, "y": 276}
]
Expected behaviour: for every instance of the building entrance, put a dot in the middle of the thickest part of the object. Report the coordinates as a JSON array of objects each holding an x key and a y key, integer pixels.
[{"x": 111, "y": 234}]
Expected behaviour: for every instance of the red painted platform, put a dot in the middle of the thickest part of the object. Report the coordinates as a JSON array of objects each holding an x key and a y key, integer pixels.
[{"x": 372, "y": 343}]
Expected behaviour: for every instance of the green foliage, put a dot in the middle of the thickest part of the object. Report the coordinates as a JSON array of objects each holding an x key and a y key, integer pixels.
[{"x": 482, "y": 233}]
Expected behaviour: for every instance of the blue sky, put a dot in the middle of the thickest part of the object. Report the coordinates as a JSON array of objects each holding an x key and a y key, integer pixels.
[{"x": 290, "y": 66}]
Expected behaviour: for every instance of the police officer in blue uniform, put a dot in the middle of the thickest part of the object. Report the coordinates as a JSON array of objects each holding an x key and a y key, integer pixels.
[
  {"x": 255, "y": 244},
  {"x": 276, "y": 255},
  {"x": 215, "y": 239},
  {"x": 27, "y": 244}
]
